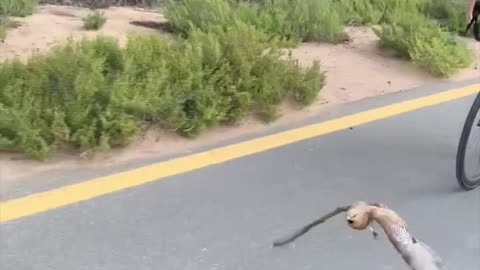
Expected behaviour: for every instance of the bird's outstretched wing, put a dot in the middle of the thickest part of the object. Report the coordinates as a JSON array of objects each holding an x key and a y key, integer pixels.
[{"x": 305, "y": 229}]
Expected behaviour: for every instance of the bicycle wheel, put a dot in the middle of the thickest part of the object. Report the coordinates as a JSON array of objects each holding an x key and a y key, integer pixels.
[{"x": 468, "y": 153}]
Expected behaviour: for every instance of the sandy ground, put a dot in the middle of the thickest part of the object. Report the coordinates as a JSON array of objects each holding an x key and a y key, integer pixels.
[
  {"x": 355, "y": 70},
  {"x": 51, "y": 24}
]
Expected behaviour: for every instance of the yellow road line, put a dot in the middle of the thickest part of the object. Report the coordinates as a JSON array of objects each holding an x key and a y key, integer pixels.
[{"x": 37, "y": 203}]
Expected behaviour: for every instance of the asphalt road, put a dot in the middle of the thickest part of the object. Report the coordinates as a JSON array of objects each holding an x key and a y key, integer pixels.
[{"x": 226, "y": 216}]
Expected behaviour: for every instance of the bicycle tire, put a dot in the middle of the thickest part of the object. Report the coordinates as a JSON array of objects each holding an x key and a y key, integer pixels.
[{"x": 462, "y": 178}]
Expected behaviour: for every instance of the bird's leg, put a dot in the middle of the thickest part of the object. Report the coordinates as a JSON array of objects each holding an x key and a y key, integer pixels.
[{"x": 374, "y": 233}]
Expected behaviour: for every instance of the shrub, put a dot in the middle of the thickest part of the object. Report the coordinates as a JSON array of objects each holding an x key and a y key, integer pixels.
[
  {"x": 92, "y": 95},
  {"x": 420, "y": 39},
  {"x": 202, "y": 14},
  {"x": 368, "y": 12},
  {"x": 308, "y": 20},
  {"x": 94, "y": 21},
  {"x": 312, "y": 20},
  {"x": 439, "y": 53},
  {"x": 449, "y": 13},
  {"x": 305, "y": 85},
  {"x": 18, "y": 8},
  {"x": 397, "y": 33},
  {"x": 414, "y": 28},
  {"x": 62, "y": 98},
  {"x": 280, "y": 19},
  {"x": 362, "y": 12}
]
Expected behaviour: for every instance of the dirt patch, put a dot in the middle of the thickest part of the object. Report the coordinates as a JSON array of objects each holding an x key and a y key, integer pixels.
[
  {"x": 361, "y": 69},
  {"x": 53, "y": 24},
  {"x": 355, "y": 70}
]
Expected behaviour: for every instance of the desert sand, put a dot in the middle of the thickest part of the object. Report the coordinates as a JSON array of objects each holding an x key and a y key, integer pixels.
[{"x": 355, "y": 70}]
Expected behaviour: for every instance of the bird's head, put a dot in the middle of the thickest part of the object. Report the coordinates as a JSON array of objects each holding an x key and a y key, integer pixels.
[{"x": 359, "y": 216}]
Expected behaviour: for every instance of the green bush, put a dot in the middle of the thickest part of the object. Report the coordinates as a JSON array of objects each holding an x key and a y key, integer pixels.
[
  {"x": 305, "y": 85},
  {"x": 371, "y": 12},
  {"x": 94, "y": 21},
  {"x": 439, "y": 53},
  {"x": 62, "y": 98},
  {"x": 312, "y": 20},
  {"x": 186, "y": 15},
  {"x": 449, "y": 13},
  {"x": 419, "y": 39},
  {"x": 288, "y": 22},
  {"x": 306, "y": 20},
  {"x": 397, "y": 33},
  {"x": 18, "y": 8},
  {"x": 417, "y": 30},
  {"x": 92, "y": 95}
]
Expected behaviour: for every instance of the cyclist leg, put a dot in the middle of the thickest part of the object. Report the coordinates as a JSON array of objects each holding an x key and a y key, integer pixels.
[
  {"x": 473, "y": 12},
  {"x": 476, "y": 27}
]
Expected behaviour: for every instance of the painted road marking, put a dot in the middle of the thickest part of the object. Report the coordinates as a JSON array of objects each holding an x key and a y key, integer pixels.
[{"x": 41, "y": 202}]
